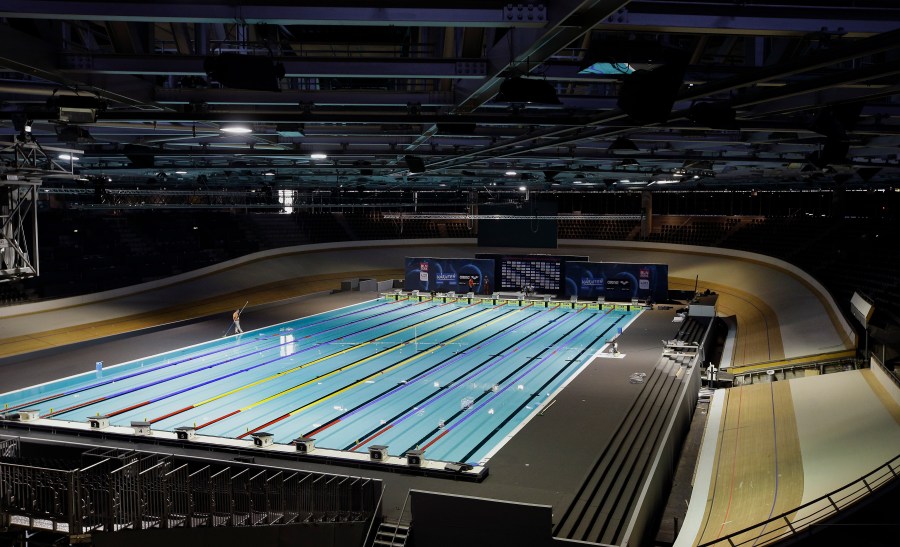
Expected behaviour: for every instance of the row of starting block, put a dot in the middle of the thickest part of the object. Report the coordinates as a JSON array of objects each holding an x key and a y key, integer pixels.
[{"x": 497, "y": 300}]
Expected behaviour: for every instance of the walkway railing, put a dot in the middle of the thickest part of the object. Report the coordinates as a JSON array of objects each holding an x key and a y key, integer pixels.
[
  {"x": 114, "y": 489},
  {"x": 890, "y": 373},
  {"x": 804, "y": 516}
]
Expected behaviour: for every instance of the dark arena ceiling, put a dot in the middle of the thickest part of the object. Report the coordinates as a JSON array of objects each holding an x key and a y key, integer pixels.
[{"x": 565, "y": 95}]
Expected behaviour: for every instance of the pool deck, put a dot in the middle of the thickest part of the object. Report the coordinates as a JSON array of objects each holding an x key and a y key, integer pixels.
[{"x": 544, "y": 463}]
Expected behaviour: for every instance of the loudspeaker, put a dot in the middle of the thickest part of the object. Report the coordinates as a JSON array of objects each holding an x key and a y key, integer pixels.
[
  {"x": 244, "y": 71},
  {"x": 415, "y": 164},
  {"x": 141, "y": 157},
  {"x": 648, "y": 95}
]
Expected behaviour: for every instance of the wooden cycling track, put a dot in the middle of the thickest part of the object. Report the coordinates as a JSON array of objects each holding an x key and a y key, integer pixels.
[{"x": 758, "y": 432}]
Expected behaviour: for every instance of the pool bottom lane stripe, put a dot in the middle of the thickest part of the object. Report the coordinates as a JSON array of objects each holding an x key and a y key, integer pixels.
[
  {"x": 370, "y": 376},
  {"x": 541, "y": 388},
  {"x": 207, "y": 367},
  {"x": 425, "y": 373},
  {"x": 465, "y": 414},
  {"x": 467, "y": 376},
  {"x": 182, "y": 361},
  {"x": 288, "y": 371}
]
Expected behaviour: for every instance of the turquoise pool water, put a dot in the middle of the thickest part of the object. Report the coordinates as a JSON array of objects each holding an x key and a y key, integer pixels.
[{"x": 452, "y": 379}]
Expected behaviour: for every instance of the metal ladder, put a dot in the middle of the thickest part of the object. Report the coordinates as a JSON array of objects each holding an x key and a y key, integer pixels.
[{"x": 391, "y": 534}]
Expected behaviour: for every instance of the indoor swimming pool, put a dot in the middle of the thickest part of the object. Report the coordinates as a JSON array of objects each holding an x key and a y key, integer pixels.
[{"x": 453, "y": 378}]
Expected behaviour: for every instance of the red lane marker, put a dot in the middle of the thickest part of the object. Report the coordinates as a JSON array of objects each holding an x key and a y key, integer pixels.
[
  {"x": 324, "y": 427},
  {"x": 170, "y": 414},
  {"x": 201, "y": 426},
  {"x": 127, "y": 408},
  {"x": 267, "y": 424},
  {"x": 75, "y": 407},
  {"x": 366, "y": 440},
  {"x": 434, "y": 440}
]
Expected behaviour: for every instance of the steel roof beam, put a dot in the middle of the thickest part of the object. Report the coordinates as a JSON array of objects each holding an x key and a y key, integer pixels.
[
  {"x": 305, "y": 67},
  {"x": 770, "y": 19},
  {"x": 277, "y": 14}
]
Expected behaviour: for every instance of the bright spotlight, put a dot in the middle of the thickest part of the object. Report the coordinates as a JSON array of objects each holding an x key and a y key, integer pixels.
[
  {"x": 236, "y": 129},
  {"x": 318, "y": 156}
]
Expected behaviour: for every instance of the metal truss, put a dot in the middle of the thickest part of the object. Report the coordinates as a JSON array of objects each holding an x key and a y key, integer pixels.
[
  {"x": 19, "y": 182},
  {"x": 31, "y": 161},
  {"x": 18, "y": 230},
  {"x": 468, "y": 216}
]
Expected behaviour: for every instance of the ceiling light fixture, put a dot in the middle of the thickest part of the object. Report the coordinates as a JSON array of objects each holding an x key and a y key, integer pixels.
[
  {"x": 318, "y": 156},
  {"x": 68, "y": 157},
  {"x": 511, "y": 173},
  {"x": 236, "y": 129}
]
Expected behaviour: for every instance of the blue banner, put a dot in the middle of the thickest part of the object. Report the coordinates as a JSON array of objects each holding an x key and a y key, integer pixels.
[
  {"x": 460, "y": 275},
  {"x": 617, "y": 282}
]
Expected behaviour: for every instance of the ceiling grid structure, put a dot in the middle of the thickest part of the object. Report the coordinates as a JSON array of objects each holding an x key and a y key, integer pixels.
[{"x": 709, "y": 93}]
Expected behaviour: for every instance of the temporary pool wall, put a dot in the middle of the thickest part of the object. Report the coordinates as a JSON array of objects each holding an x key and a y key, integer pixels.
[
  {"x": 442, "y": 518},
  {"x": 655, "y": 491}
]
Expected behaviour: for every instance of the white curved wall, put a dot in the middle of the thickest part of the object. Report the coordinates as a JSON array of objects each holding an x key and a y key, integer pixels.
[{"x": 799, "y": 300}]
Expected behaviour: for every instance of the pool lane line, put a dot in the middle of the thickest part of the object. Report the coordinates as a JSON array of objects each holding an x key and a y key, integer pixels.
[
  {"x": 264, "y": 363},
  {"x": 472, "y": 411},
  {"x": 399, "y": 345},
  {"x": 218, "y": 378},
  {"x": 459, "y": 381},
  {"x": 539, "y": 390},
  {"x": 213, "y": 365},
  {"x": 352, "y": 364},
  {"x": 462, "y": 379},
  {"x": 274, "y": 376},
  {"x": 362, "y": 381},
  {"x": 178, "y": 362},
  {"x": 490, "y": 339}
]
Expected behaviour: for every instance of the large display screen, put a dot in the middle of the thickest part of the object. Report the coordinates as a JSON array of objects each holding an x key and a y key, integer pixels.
[
  {"x": 527, "y": 232},
  {"x": 618, "y": 282},
  {"x": 539, "y": 272},
  {"x": 460, "y": 275}
]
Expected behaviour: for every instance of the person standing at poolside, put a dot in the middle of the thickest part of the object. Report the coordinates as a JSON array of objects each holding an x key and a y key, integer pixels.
[{"x": 236, "y": 317}]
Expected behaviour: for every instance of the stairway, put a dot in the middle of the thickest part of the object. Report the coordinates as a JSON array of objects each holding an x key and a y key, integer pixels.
[
  {"x": 391, "y": 534},
  {"x": 600, "y": 510}
]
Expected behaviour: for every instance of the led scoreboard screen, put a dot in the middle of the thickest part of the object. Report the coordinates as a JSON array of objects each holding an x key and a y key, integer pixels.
[{"x": 540, "y": 273}]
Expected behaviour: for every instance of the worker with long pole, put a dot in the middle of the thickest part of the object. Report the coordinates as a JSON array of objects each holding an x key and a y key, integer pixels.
[{"x": 236, "y": 320}]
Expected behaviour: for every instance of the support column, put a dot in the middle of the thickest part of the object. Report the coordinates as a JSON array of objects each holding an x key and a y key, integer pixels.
[{"x": 646, "y": 214}]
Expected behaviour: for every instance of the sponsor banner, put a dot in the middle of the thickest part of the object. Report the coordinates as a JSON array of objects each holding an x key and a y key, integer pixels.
[
  {"x": 617, "y": 282},
  {"x": 460, "y": 275}
]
